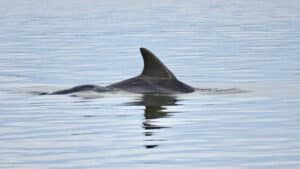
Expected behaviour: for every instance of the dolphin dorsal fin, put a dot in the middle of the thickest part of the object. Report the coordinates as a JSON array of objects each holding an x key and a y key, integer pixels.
[{"x": 153, "y": 67}]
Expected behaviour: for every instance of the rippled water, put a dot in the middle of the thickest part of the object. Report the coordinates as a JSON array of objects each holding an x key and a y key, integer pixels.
[{"x": 253, "y": 46}]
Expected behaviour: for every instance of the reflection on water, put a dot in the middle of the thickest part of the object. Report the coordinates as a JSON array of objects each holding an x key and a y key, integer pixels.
[
  {"x": 232, "y": 45},
  {"x": 155, "y": 108}
]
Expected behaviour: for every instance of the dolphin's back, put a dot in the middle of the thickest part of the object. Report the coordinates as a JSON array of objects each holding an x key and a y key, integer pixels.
[
  {"x": 145, "y": 85},
  {"x": 155, "y": 78},
  {"x": 82, "y": 88}
]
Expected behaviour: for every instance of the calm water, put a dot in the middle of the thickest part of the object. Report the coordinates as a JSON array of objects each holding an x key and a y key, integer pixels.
[{"x": 45, "y": 46}]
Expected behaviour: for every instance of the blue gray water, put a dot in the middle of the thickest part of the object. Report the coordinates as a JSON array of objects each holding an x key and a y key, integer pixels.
[{"x": 50, "y": 45}]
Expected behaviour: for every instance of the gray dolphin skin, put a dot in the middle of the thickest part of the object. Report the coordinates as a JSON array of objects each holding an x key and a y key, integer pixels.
[{"x": 155, "y": 78}]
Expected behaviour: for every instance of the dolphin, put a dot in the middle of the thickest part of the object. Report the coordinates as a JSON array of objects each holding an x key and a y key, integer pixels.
[{"x": 155, "y": 78}]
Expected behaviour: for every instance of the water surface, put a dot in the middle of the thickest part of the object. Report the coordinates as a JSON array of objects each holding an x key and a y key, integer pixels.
[{"x": 254, "y": 46}]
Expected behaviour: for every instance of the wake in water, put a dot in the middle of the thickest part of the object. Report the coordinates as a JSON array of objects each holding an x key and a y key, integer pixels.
[{"x": 215, "y": 91}]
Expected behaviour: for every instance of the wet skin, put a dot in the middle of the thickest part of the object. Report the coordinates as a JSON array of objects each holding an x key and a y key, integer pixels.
[{"x": 155, "y": 78}]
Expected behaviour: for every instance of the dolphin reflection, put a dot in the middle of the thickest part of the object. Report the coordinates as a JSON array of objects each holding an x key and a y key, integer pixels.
[{"x": 155, "y": 108}]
